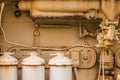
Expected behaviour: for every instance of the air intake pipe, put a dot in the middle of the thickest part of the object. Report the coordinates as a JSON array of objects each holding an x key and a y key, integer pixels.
[
  {"x": 59, "y": 8},
  {"x": 105, "y": 9},
  {"x": 59, "y": 5}
]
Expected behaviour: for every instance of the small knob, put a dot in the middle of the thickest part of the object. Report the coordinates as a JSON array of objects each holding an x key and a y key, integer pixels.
[{"x": 85, "y": 58}]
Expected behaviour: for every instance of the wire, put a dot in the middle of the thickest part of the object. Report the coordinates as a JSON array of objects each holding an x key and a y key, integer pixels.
[
  {"x": 101, "y": 66},
  {"x": 10, "y": 42}
]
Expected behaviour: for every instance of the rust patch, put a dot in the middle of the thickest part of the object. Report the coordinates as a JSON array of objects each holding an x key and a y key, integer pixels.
[
  {"x": 60, "y": 65},
  {"x": 2, "y": 63}
]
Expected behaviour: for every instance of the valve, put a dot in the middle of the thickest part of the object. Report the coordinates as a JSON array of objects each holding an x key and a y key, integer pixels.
[{"x": 107, "y": 34}]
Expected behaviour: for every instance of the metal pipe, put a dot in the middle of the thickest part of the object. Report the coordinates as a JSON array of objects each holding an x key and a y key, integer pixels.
[
  {"x": 59, "y": 6},
  {"x": 35, "y": 13},
  {"x": 108, "y": 9},
  {"x": 76, "y": 73}
]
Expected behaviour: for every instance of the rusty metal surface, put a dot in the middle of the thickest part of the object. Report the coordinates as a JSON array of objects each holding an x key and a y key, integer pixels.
[
  {"x": 25, "y": 24},
  {"x": 7, "y": 59},
  {"x": 59, "y": 5},
  {"x": 33, "y": 59},
  {"x": 60, "y": 59},
  {"x": 107, "y": 9}
]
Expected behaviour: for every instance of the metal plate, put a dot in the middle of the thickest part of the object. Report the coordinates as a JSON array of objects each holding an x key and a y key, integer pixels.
[{"x": 83, "y": 57}]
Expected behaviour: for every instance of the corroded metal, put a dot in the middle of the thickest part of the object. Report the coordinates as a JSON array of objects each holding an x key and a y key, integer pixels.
[
  {"x": 107, "y": 9},
  {"x": 60, "y": 67},
  {"x": 33, "y": 67},
  {"x": 8, "y": 68},
  {"x": 64, "y": 6}
]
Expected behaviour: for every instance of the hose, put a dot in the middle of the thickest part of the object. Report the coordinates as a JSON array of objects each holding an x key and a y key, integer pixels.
[
  {"x": 99, "y": 71},
  {"x": 4, "y": 37},
  {"x": 76, "y": 73},
  {"x": 103, "y": 67}
]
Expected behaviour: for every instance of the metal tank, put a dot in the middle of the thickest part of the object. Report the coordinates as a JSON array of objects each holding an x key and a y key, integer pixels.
[
  {"x": 60, "y": 67},
  {"x": 33, "y": 67},
  {"x": 8, "y": 67}
]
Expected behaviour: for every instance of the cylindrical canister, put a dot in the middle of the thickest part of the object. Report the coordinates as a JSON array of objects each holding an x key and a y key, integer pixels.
[
  {"x": 60, "y": 67},
  {"x": 33, "y": 67},
  {"x": 8, "y": 67}
]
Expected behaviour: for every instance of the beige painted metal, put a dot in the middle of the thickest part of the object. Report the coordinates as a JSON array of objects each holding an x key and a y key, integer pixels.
[
  {"x": 85, "y": 74},
  {"x": 59, "y": 6},
  {"x": 111, "y": 8},
  {"x": 36, "y": 13},
  {"x": 21, "y": 30},
  {"x": 83, "y": 57},
  {"x": 8, "y": 68},
  {"x": 83, "y": 63},
  {"x": 33, "y": 67},
  {"x": 107, "y": 9}
]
